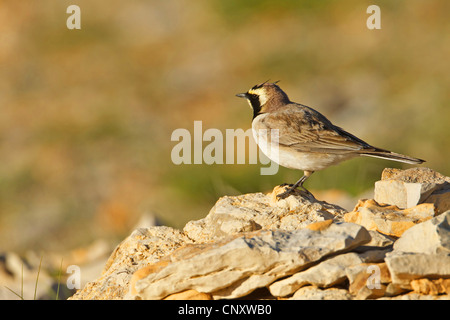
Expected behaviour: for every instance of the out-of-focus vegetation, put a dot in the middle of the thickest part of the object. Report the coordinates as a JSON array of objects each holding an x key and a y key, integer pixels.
[{"x": 86, "y": 115}]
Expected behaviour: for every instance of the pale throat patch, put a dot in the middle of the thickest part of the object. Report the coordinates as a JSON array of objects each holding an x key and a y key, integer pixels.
[{"x": 261, "y": 95}]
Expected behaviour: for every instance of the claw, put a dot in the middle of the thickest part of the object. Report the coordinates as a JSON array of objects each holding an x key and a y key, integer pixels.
[
  {"x": 286, "y": 184},
  {"x": 286, "y": 193}
]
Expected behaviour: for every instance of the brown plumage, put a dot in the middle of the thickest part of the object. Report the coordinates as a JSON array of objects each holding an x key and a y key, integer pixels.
[{"x": 307, "y": 140}]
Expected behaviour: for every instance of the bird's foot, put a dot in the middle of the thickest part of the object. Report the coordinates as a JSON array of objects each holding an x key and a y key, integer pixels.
[
  {"x": 286, "y": 184},
  {"x": 292, "y": 188}
]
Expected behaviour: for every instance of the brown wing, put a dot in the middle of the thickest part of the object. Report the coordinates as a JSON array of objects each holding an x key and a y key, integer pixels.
[{"x": 306, "y": 130}]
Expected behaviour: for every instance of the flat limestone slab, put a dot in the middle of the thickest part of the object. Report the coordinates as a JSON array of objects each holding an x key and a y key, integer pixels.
[{"x": 234, "y": 267}]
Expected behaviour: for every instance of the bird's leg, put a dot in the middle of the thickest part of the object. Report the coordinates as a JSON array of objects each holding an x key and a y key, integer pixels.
[
  {"x": 299, "y": 183},
  {"x": 286, "y": 184}
]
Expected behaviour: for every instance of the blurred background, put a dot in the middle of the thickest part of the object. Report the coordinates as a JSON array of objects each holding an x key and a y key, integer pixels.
[{"x": 86, "y": 116}]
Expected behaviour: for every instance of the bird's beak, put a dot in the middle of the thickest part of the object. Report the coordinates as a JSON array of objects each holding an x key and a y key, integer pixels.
[{"x": 242, "y": 95}]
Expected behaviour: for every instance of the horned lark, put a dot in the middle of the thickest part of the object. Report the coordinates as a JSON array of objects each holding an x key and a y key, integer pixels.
[{"x": 306, "y": 139}]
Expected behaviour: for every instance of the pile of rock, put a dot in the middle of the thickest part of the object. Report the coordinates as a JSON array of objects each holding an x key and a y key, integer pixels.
[{"x": 256, "y": 246}]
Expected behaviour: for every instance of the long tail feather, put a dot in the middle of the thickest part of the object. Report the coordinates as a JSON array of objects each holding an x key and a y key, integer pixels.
[{"x": 384, "y": 154}]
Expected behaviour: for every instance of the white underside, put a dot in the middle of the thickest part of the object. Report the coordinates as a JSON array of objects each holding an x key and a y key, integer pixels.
[{"x": 290, "y": 158}]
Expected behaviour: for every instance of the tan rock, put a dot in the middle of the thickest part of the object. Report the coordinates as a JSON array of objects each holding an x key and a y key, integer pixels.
[
  {"x": 440, "y": 199},
  {"x": 408, "y": 188},
  {"x": 325, "y": 274},
  {"x": 145, "y": 246},
  {"x": 401, "y": 194},
  {"x": 365, "y": 293},
  {"x": 189, "y": 295},
  {"x": 368, "y": 280},
  {"x": 315, "y": 293},
  {"x": 236, "y": 266},
  {"x": 393, "y": 290},
  {"x": 296, "y": 247},
  {"x": 144, "y": 272},
  {"x": 405, "y": 267},
  {"x": 414, "y": 175},
  {"x": 416, "y": 296},
  {"x": 388, "y": 219},
  {"x": 432, "y": 236},
  {"x": 251, "y": 212},
  {"x": 431, "y": 287},
  {"x": 319, "y": 226},
  {"x": 378, "y": 241}
]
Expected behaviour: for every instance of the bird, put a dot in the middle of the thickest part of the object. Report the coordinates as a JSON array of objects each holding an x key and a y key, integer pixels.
[{"x": 303, "y": 137}]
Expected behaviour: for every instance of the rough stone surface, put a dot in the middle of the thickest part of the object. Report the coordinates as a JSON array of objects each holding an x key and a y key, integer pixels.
[
  {"x": 236, "y": 267},
  {"x": 432, "y": 236},
  {"x": 378, "y": 241},
  {"x": 143, "y": 246},
  {"x": 251, "y": 212},
  {"x": 368, "y": 280},
  {"x": 405, "y": 267},
  {"x": 315, "y": 293},
  {"x": 417, "y": 296},
  {"x": 408, "y": 188},
  {"x": 189, "y": 295},
  {"x": 327, "y": 273},
  {"x": 388, "y": 219},
  {"x": 256, "y": 246},
  {"x": 433, "y": 287}
]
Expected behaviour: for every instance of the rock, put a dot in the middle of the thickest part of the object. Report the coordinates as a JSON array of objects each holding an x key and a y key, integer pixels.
[
  {"x": 314, "y": 293},
  {"x": 440, "y": 199},
  {"x": 366, "y": 293},
  {"x": 378, "y": 241},
  {"x": 393, "y": 290},
  {"x": 408, "y": 188},
  {"x": 432, "y": 236},
  {"x": 325, "y": 274},
  {"x": 236, "y": 266},
  {"x": 255, "y": 211},
  {"x": 431, "y": 287},
  {"x": 405, "y": 267},
  {"x": 328, "y": 273},
  {"x": 368, "y": 280},
  {"x": 255, "y": 246},
  {"x": 416, "y": 296},
  {"x": 414, "y": 175},
  {"x": 189, "y": 295},
  {"x": 401, "y": 194},
  {"x": 144, "y": 246},
  {"x": 388, "y": 219},
  {"x": 18, "y": 279},
  {"x": 338, "y": 197}
]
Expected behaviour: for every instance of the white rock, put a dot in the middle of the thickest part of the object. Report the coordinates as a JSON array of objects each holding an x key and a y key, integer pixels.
[
  {"x": 405, "y": 267},
  {"x": 432, "y": 236},
  {"x": 408, "y": 188},
  {"x": 256, "y": 211},
  {"x": 314, "y": 293},
  {"x": 325, "y": 274},
  {"x": 401, "y": 194}
]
